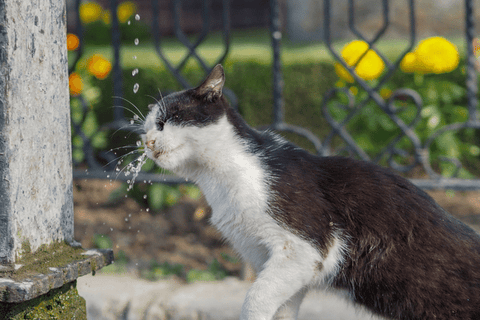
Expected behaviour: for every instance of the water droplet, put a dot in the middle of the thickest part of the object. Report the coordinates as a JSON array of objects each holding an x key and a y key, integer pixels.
[
  {"x": 145, "y": 197},
  {"x": 139, "y": 143},
  {"x": 129, "y": 22},
  {"x": 135, "y": 87},
  {"x": 136, "y": 41},
  {"x": 148, "y": 209},
  {"x": 126, "y": 219},
  {"x": 136, "y": 117},
  {"x": 134, "y": 72},
  {"x": 111, "y": 229},
  {"x": 132, "y": 121},
  {"x": 137, "y": 17},
  {"x": 134, "y": 57}
]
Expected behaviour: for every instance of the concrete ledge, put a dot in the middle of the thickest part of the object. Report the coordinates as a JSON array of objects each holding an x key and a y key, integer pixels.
[
  {"x": 39, "y": 284},
  {"x": 128, "y": 298}
]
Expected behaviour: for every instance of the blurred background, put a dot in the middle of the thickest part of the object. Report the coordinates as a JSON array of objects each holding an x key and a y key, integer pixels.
[{"x": 285, "y": 68}]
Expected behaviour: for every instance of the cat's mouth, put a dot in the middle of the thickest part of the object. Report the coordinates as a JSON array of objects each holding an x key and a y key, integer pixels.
[{"x": 158, "y": 153}]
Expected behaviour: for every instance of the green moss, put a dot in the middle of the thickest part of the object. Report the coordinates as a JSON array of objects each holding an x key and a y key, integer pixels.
[
  {"x": 61, "y": 303},
  {"x": 58, "y": 254}
]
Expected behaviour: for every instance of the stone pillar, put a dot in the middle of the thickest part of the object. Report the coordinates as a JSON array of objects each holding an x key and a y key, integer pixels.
[
  {"x": 36, "y": 203},
  {"x": 38, "y": 267}
]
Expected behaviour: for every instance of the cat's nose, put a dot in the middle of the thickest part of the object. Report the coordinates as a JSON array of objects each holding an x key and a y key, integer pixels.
[{"x": 150, "y": 144}]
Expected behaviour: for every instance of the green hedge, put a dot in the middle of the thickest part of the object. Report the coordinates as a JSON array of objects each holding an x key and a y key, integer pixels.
[{"x": 444, "y": 102}]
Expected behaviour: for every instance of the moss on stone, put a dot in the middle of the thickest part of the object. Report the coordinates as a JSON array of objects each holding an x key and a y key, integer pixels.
[
  {"x": 61, "y": 303},
  {"x": 57, "y": 254}
]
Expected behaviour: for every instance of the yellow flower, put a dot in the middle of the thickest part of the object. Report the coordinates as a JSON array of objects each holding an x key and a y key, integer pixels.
[
  {"x": 72, "y": 42},
  {"x": 125, "y": 10},
  {"x": 409, "y": 63},
  {"x": 343, "y": 73},
  {"x": 75, "y": 84},
  {"x": 90, "y": 12},
  {"x": 106, "y": 17},
  {"x": 99, "y": 66},
  {"x": 437, "y": 55},
  {"x": 369, "y": 67}
]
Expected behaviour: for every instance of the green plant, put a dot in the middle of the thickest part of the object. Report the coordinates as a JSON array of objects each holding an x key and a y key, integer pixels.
[
  {"x": 102, "y": 241},
  {"x": 158, "y": 271},
  {"x": 215, "y": 271}
]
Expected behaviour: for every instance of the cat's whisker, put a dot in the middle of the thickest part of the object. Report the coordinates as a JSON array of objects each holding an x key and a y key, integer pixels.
[
  {"x": 136, "y": 117},
  {"x": 128, "y": 128},
  {"x": 156, "y": 100},
  {"x": 124, "y": 147},
  {"x": 162, "y": 104},
  {"x": 126, "y": 100},
  {"x": 120, "y": 158}
]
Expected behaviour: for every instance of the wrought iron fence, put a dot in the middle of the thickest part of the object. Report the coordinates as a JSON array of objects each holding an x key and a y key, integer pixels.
[{"x": 404, "y": 151}]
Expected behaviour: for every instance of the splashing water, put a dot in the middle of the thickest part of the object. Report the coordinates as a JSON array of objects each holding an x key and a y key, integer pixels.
[
  {"x": 137, "y": 17},
  {"x": 134, "y": 72},
  {"x": 135, "y": 87},
  {"x": 134, "y": 168},
  {"x": 136, "y": 41}
]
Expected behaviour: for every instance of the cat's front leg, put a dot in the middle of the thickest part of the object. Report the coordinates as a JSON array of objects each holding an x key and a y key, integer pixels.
[
  {"x": 289, "y": 310},
  {"x": 280, "y": 286}
]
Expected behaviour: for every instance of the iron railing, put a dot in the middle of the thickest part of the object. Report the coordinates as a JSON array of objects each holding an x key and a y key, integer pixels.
[{"x": 418, "y": 155}]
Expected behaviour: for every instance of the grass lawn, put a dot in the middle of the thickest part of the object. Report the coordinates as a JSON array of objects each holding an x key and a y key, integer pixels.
[{"x": 246, "y": 45}]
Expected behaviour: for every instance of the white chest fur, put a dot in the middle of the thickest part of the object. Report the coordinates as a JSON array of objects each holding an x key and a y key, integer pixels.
[{"x": 237, "y": 187}]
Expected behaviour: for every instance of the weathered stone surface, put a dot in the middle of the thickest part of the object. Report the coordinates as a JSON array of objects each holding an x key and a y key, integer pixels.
[
  {"x": 36, "y": 202},
  {"x": 112, "y": 297},
  {"x": 34, "y": 286}
]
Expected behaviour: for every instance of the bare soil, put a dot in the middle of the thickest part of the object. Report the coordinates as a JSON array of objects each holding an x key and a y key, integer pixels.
[{"x": 182, "y": 234}]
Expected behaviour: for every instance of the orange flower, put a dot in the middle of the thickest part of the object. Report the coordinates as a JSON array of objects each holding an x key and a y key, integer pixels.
[
  {"x": 99, "y": 66},
  {"x": 72, "y": 42},
  {"x": 75, "y": 84}
]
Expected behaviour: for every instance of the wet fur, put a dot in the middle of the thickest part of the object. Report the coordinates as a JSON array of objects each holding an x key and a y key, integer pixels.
[{"x": 305, "y": 221}]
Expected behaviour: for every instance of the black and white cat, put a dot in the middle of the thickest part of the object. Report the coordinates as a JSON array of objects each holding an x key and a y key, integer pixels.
[{"x": 307, "y": 222}]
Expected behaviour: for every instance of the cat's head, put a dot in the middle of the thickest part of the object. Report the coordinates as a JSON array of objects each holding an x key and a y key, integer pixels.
[{"x": 181, "y": 123}]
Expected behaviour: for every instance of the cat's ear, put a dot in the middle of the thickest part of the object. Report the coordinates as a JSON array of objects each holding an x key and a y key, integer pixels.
[{"x": 212, "y": 86}]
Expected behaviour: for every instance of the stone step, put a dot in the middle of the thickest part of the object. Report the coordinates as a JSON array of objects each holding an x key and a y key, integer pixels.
[{"x": 111, "y": 297}]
